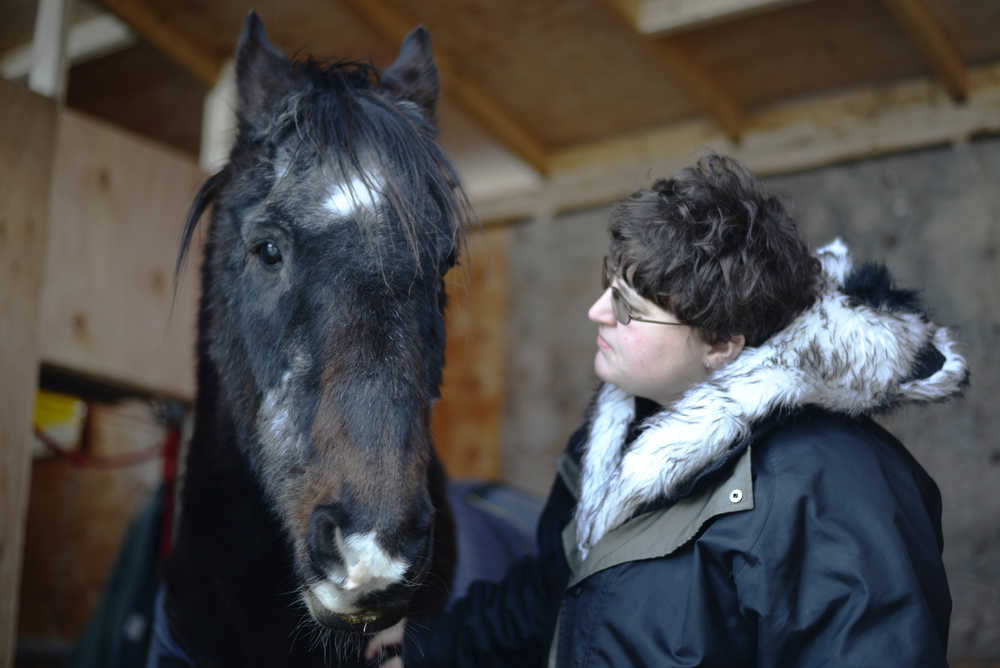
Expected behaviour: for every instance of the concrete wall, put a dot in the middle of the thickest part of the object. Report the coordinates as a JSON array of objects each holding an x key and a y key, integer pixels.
[{"x": 933, "y": 216}]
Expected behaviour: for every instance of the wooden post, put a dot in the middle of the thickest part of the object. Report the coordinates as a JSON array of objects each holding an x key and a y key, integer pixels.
[
  {"x": 50, "y": 56},
  {"x": 27, "y": 131}
]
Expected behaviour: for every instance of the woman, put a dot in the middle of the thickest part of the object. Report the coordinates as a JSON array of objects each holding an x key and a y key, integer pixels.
[{"x": 726, "y": 501}]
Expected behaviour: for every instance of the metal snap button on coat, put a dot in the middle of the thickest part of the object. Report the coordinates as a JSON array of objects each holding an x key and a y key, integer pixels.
[{"x": 736, "y": 496}]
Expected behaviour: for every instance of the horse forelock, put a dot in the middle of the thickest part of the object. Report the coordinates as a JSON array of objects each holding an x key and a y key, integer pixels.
[{"x": 382, "y": 146}]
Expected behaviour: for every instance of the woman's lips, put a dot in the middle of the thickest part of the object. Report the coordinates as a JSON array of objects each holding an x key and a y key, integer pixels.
[{"x": 602, "y": 344}]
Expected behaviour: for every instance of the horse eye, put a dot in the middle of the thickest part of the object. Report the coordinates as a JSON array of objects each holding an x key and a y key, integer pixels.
[{"x": 269, "y": 253}]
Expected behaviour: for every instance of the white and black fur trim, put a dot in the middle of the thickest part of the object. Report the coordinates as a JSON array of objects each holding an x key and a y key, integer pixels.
[{"x": 840, "y": 354}]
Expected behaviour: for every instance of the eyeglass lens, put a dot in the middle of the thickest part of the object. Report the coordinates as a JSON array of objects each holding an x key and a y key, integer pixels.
[
  {"x": 618, "y": 306},
  {"x": 621, "y": 311}
]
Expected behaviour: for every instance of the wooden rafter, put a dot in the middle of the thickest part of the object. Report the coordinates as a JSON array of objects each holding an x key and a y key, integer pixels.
[
  {"x": 470, "y": 96},
  {"x": 940, "y": 53},
  {"x": 685, "y": 70},
  {"x": 171, "y": 42}
]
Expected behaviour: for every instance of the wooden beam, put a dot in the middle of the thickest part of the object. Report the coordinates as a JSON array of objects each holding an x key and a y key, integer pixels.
[
  {"x": 659, "y": 17},
  {"x": 937, "y": 49},
  {"x": 49, "y": 59},
  {"x": 89, "y": 39},
  {"x": 152, "y": 27},
  {"x": 684, "y": 70},
  {"x": 27, "y": 134},
  {"x": 469, "y": 96},
  {"x": 786, "y": 138}
]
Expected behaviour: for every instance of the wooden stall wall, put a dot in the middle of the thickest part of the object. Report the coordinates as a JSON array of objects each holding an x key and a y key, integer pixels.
[
  {"x": 78, "y": 514},
  {"x": 118, "y": 208},
  {"x": 466, "y": 423},
  {"x": 27, "y": 128},
  {"x": 106, "y": 313}
]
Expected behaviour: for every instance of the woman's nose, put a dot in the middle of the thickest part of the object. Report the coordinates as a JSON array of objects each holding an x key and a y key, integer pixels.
[{"x": 601, "y": 311}]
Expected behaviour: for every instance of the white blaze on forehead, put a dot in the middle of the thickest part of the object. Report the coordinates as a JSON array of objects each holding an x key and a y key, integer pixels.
[
  {"x": 346, "y": 199},
  {"x": 367, "y": 568}
]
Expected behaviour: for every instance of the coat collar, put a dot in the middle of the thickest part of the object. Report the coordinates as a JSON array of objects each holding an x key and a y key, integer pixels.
[
  {"x": 862, "y": 346},
  {"x": 658, "y": 532}
]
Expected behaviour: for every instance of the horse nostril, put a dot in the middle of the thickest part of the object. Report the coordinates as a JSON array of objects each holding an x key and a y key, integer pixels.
[{"x": 323, "y": 538}]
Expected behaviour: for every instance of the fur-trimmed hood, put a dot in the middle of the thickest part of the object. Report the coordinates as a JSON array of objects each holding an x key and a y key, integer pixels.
[{"x": 863, "y": 346}]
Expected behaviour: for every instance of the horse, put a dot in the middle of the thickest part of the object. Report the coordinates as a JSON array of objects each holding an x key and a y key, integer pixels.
[{"x": 313, "y": 505}]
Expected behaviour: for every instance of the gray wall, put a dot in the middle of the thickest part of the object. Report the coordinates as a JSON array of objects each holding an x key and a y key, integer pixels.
[{"x": 933, "y": 216}]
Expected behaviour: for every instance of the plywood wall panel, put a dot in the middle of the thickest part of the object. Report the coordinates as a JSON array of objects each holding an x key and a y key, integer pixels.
[
  {"x": 466, "y": 423},
  {"x": 117, "y": 210},
  {"x": 27, "y": 124}
]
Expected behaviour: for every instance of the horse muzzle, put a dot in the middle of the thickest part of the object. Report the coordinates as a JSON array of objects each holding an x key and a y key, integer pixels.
[
  {"x": 358, "y": 621},
  {"x": 361, "y": 585}
]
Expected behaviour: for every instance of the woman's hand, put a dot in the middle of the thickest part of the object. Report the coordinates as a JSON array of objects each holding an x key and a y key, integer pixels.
[{"x": 392, "y": 636}]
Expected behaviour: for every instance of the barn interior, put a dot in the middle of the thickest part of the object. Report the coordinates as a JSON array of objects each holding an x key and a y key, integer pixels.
[{"x": 876, "y": 120}]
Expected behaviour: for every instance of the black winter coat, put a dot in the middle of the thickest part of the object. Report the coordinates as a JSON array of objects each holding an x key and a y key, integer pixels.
[{"x": 837, "y": 563}]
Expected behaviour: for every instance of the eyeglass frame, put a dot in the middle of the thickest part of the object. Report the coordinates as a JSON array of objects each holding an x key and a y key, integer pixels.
[{"x": 621, "y": 309}]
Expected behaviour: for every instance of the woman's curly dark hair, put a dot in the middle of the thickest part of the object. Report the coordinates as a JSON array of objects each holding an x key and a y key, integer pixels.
[{"x": 712, "y": 247}]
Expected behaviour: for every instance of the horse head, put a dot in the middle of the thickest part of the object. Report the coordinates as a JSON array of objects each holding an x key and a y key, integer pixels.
[{"x": 322, "y": 316}]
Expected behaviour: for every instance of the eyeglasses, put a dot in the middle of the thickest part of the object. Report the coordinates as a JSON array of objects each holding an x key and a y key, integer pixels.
[{"x": 622, "y": 311}]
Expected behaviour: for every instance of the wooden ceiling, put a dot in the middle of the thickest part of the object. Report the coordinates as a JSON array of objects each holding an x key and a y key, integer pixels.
[{"x": 543, "y": 98}]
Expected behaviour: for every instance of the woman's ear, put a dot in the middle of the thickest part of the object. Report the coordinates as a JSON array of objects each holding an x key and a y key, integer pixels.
[{"x": 723, "y": 352}]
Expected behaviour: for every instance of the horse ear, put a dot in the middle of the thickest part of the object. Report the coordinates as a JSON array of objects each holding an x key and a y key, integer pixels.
[
  {"x": 263, "y": 74},
  {"x": 414, "y": 75}
]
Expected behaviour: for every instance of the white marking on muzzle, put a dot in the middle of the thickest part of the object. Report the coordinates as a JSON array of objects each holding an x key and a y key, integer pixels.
[{"x": 367, "y": 568}]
